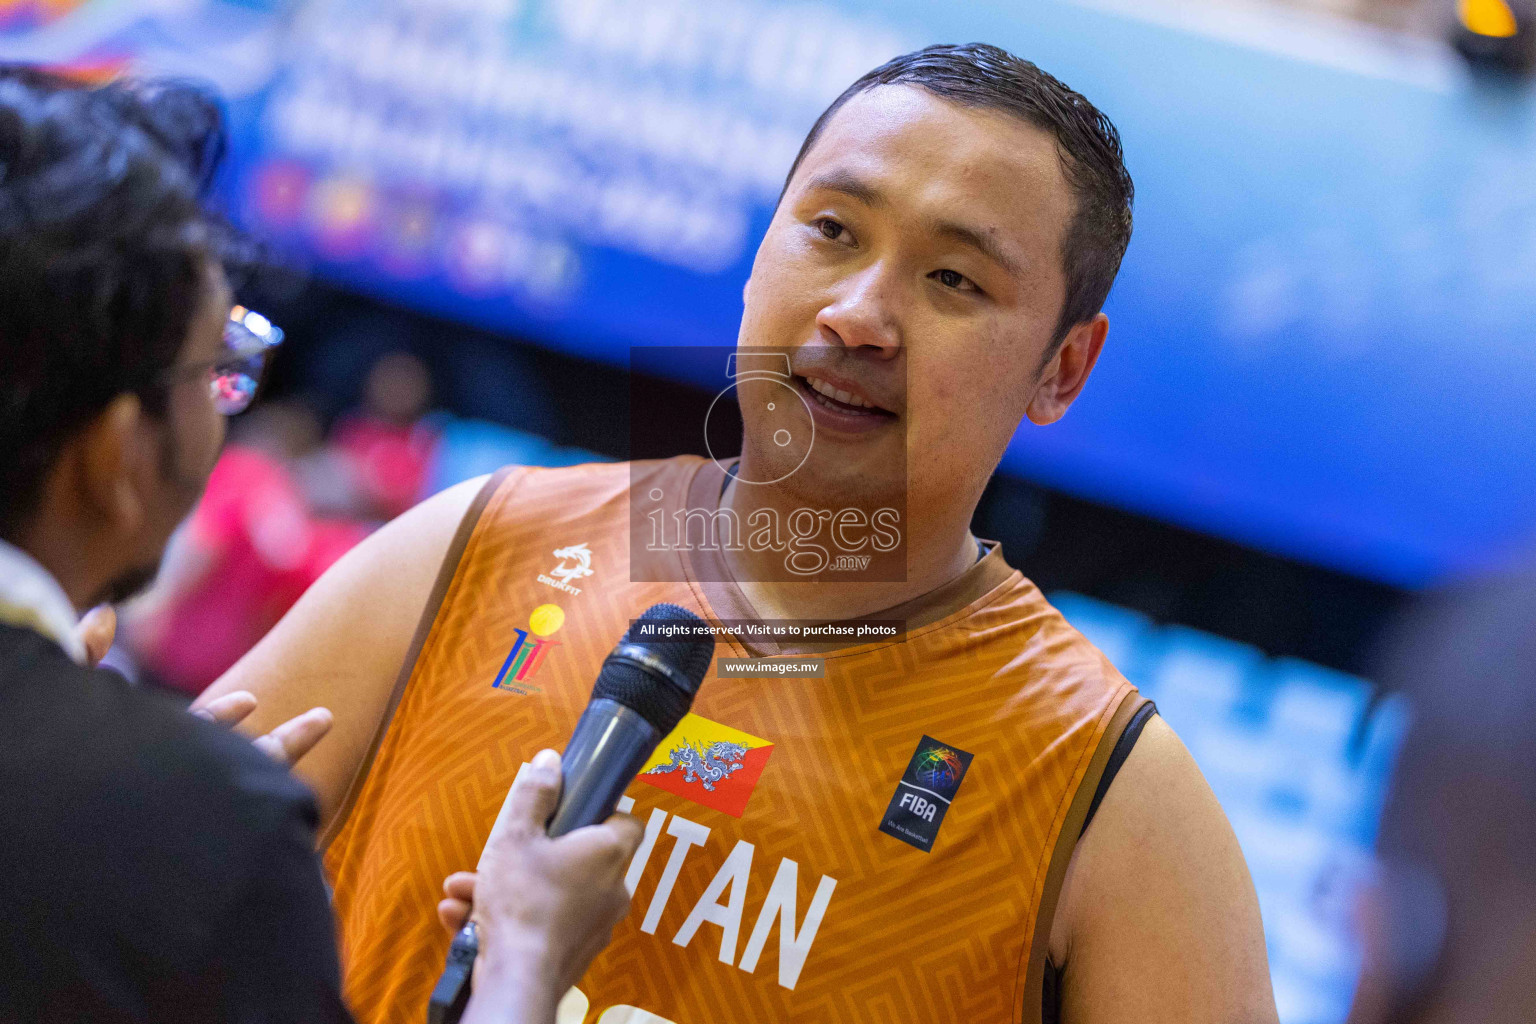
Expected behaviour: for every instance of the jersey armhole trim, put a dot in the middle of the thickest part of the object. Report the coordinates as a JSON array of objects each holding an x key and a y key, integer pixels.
[
  {"x": 1061, "y": 854},
  {"x": 445, "y": 574},
  {"x": 1123, "y": 747}
]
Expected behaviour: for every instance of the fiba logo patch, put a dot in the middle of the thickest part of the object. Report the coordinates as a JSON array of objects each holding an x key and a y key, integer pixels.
[
  {"x": 575, "y": 564},
  {"x": 926, "y": 790}
]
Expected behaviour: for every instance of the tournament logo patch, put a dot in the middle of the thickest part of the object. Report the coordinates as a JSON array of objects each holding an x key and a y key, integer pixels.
[
  {"x": 924, "y": 794},
  {"x": 529, "y": 650},
  {"x": 709, "y": 763}
]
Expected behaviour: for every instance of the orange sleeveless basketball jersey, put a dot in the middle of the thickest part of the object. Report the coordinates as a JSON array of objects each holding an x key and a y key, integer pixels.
[{"x": 884, "y": 844}]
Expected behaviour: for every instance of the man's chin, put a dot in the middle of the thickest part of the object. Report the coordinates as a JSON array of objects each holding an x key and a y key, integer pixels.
[{"x": 837, "y": 487}]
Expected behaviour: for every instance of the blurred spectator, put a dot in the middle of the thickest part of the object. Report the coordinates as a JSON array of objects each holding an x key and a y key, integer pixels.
[
  {"x": 284, "y": 503},
  {"x": 386, "y": 444},
  {"x": 1450, "y": 917}
]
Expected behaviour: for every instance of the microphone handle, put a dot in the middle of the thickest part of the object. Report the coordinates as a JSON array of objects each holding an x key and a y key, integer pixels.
[
  {"x": 450, "y": 997},
  {"x": 610, "y": 745},
  {"x": 606, "y": 752}
]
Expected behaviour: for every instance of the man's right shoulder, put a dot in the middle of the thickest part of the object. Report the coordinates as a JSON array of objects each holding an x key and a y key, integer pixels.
[
  {"x": 143, "y": 845},
  {"x": 350, "y": 641},
  {"x": 522, "y": 497},
  {"x": 77, "y": 735},
  {"x": 529, "y": 494},
  {"x": 95, "y": 766}
]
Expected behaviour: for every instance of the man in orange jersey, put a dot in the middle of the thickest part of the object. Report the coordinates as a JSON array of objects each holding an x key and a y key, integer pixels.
[{"x": 898, "y": 831}]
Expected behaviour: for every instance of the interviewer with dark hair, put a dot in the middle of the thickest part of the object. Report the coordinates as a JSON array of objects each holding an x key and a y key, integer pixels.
[{"x": 156, "y": 867}]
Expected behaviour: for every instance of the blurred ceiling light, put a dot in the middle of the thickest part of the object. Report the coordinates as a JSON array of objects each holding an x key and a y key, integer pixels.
[
  {"x": 1487, "y": 18},
  {"x": 1496, "y": 35}
]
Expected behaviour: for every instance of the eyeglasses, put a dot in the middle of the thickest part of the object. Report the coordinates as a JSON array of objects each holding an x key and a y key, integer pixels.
[{"x": 249, "y": 338}]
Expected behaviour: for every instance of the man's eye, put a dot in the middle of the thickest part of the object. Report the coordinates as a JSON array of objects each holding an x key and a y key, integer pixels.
[
  {"x": 832, "y": 230},
  {"x": 954, "y": 279}
]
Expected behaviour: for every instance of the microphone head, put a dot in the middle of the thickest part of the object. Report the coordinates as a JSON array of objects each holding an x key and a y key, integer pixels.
[
  {"x": 659, "y": 665},
  {"x": 688, "y": 652}
]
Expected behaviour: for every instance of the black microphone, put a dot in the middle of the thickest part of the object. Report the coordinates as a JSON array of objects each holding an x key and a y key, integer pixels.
[{"x": 643, "y": 691}]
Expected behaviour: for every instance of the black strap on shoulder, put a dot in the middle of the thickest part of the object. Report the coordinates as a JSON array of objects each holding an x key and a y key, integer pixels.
[
  {"x": 1050, "y": 1010},
  {"x": 1050, "y": 995},
  {"x": 1117, "y": 757}
]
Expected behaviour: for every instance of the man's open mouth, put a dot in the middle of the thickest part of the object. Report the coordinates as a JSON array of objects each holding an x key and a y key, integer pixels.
[{"x": 842, "y": 400}]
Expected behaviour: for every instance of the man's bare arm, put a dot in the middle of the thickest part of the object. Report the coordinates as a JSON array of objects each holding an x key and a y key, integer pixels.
[
  {"x": 342, "y": 645},
  {"x": 1158, "y": 919}
]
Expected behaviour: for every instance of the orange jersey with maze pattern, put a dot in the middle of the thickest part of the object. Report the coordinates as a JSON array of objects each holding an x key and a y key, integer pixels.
[{"x": 771, "y": 895}]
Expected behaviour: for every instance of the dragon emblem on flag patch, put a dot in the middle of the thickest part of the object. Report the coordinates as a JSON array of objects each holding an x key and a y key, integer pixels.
[{"x": 708, "y": 763}]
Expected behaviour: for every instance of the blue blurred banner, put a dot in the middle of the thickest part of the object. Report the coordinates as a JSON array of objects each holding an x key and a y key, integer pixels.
[{"x": 1324, "y": 335}]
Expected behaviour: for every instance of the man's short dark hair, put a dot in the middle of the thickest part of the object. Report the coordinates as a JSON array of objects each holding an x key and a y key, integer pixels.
[
  {"x": 104, "y": 253},
  {"x": 979, "y": 75}
]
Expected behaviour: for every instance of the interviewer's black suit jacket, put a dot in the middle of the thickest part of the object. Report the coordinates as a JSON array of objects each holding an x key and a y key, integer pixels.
[{"x": 153, "y": 867}]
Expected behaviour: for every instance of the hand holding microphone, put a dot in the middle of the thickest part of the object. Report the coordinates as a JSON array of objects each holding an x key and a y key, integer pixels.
[
  {"x": 545, "y": 906},
  {"x": 549, "y": 886}
]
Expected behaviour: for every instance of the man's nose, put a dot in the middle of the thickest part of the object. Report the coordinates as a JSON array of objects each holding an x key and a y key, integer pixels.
[{"x": 864, "y": 313}]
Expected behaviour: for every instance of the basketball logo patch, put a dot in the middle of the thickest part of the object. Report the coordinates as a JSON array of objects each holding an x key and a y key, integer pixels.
[{"x": 923, "y": 795}]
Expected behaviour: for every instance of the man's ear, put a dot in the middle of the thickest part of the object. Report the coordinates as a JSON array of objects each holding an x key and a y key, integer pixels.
[
  {"x": 109, "y": 455},
  {"x": 1064, "y": 375},
  {"x": 746, "y": 289}
]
